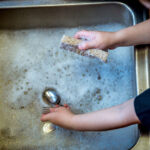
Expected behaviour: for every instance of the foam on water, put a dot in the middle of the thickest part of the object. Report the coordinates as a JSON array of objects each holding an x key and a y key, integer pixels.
[{"x": 30, "y": 61}]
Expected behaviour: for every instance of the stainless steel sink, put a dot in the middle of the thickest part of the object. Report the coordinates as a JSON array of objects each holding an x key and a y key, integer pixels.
[{"x": 30, "y": 61}]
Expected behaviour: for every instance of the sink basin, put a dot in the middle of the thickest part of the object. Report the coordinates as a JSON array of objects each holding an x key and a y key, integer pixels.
[{"x": 31, "y": 61}]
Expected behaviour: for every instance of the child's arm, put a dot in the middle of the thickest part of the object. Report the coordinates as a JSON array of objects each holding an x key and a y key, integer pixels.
[
  {"x": 135, "y": 35},
  {"x": 106, "y": 119}
]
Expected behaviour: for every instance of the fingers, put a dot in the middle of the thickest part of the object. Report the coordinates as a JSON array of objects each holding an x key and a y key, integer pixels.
[
  {"x": 50, "y": 115},
  {"x": 59, "y": 106},
  {"x": 82, "y": 35},
  {"x": 86, "y": 45},
  {"x": 66, "y": 106},
  {"x": 54, "y": 113},
  {"x": 46, "y": 117},
  {"x": 53, "y": 109},
  {"x": 87, "y": 35}
]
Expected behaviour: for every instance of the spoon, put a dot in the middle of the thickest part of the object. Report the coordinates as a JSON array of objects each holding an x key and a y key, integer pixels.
[{"x": 50, "y": 96}]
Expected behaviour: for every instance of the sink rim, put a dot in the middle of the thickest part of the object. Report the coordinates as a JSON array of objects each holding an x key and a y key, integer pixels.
[{"x": 136, "y": 49}]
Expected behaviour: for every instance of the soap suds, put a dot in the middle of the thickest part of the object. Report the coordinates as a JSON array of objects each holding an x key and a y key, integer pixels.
[{"x": 30, "y": 61}]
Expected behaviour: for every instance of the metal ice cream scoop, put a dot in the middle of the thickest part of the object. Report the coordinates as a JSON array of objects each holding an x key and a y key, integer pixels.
[{"x": 50, "y": 96}]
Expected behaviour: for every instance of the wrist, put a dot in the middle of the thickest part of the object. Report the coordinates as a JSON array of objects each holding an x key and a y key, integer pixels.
[
  {"x": 116, "y": 38},
  {"x": 121, "y": 38}
]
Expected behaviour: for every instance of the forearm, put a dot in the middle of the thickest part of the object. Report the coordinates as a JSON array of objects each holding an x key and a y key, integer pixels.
[
  {"x": 111, "y": 118},
  {"x": 135, "y": 35}
]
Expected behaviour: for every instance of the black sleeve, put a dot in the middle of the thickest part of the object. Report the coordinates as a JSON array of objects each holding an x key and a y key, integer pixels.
[{"x": 142, "y": 108}]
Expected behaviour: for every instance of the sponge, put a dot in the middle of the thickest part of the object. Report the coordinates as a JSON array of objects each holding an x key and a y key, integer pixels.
[{"x": 71, "y": 44}]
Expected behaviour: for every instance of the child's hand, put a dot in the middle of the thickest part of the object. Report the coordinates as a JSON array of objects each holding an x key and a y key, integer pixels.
[
  {"x": 96, "y": 39},
  {"x": 61, "y": 116}
]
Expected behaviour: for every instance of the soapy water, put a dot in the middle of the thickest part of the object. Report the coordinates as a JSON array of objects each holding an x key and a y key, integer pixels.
[{"x": 31, "y": 60}]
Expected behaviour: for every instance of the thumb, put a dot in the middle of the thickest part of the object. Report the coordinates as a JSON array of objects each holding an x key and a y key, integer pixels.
[{"x": 86, "y": 45}]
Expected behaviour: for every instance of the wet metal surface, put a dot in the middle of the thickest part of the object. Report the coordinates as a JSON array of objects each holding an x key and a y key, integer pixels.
[{"x": 31, "y": 61}]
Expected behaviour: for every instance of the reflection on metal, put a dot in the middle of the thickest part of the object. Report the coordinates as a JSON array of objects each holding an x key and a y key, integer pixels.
[
  {"x": 38, "y": 17},
  {"x": 48, "y": 127},
  {"x": 142, "y": 54},
  {"x": 50, "y": 96},
  {"x": 31, "y": 15},
  {"x": 142, "y": 63}
]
